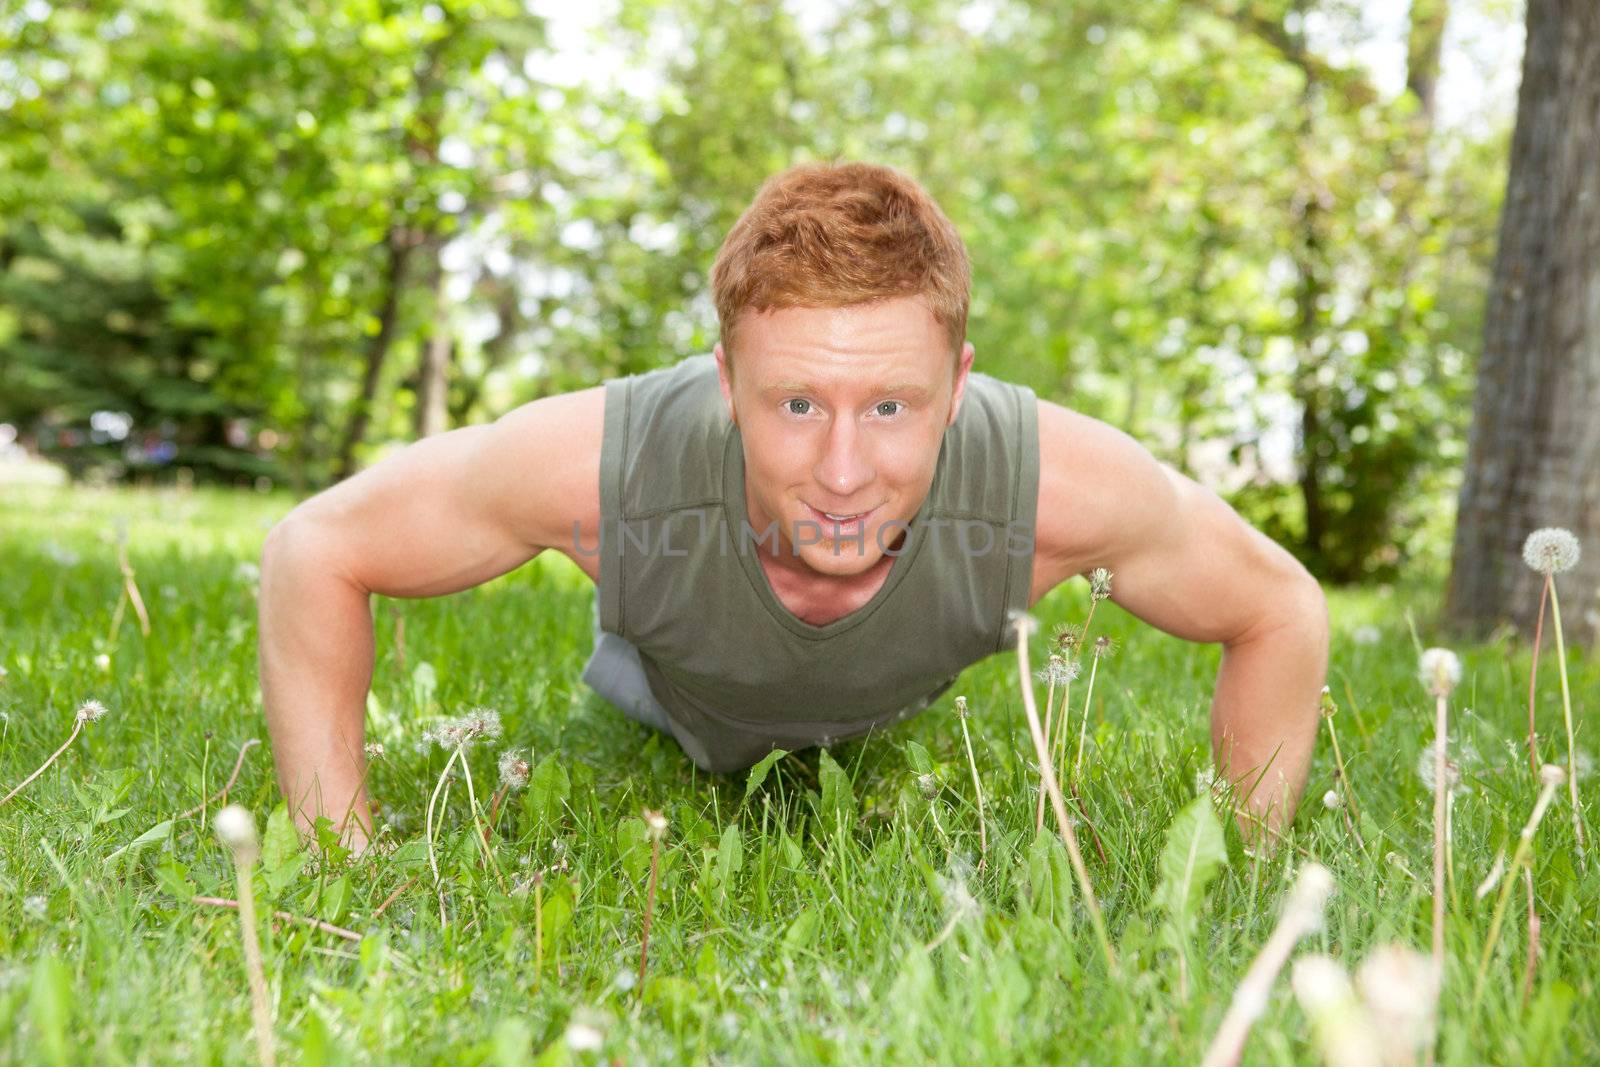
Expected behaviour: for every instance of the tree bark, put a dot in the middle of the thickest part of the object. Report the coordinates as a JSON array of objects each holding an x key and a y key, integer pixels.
[
  {"x": 1424, "y": 43},
  {"x": 433, "y": 367},
  {"x": 1534, "y": 452},
  {"x": 400, "y": 243}
]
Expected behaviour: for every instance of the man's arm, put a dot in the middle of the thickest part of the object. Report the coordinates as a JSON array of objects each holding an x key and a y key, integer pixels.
[
  {"x": 444, "y": 514},
  {"x": 1186, "y": 563}
]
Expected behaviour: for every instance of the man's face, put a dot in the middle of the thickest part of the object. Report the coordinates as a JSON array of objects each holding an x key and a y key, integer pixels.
[{"x": 842, "y": 411}]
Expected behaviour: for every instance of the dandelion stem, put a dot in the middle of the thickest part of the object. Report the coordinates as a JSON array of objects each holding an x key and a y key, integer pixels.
[
  {"x": 649, "y": 906},
  {"x": 1518, "y": 858},
  {"x": 538, "y": 928},
  {"x": 477, "y": 820},
  {"x": 444, "y": 776},
  {"x": 1024, "y": 624},
  {"x": 132, "y": 588},
  {"x": 1301, "y": 915},
  {"x": 77, "y": 728},
  {"x": 1049, "y": 709},
  {"x": 1441, "y": 789},
  {"x": 222, "y": 795},
  {"x": 1533, "y": 942},
  {"x": 392, "y": 897},
  {"x": 1566, "y": 711},
  {"x": 1533, "y": 674},
  {"x": 977, "y": 787},
  {"x": 1083, "y": 723},
  {"x": 1344, "y": 775},
  {"x": 281, "y": 916},
  {"x": 260, "y": 1008}
]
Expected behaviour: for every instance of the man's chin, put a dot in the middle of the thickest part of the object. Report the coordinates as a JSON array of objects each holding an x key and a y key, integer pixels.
[{"x": 843, "y": 558}]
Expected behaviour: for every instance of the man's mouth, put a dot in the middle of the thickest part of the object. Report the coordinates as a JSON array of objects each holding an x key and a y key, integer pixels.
[{"x": 839, "y": 524}]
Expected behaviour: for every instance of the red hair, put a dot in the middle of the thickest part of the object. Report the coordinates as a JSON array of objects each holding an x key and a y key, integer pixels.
[{"x": 837, "y": 234}]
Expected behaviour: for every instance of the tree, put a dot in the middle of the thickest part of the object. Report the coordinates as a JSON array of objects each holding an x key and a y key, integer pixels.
[{"x": 1534, "y": 449}]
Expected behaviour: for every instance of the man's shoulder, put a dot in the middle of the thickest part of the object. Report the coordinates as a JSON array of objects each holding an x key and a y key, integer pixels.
[{"x": 1097, "y": 487}]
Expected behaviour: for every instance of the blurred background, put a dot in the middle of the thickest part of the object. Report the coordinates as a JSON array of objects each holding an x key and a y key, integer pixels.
[{"x": 260, "y": 244}]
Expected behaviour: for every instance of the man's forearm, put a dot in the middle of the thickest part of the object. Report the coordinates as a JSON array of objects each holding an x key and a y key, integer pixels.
[
  {"x": 316, "y": 650},
  {"x": 1265, "y": 712}
]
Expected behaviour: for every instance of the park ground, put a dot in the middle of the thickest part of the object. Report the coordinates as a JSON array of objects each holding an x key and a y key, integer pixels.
[{"x": 794, "y": 916}]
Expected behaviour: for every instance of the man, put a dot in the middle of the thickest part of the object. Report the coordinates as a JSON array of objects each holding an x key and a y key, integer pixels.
[{"x": 802, "y": 536}]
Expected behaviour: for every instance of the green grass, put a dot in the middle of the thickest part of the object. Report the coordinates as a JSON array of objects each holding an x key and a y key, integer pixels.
[{"x": 784, "y": 931}]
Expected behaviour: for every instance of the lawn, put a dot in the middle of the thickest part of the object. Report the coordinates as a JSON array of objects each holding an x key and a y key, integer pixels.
[{"x": 793, "y": 920}]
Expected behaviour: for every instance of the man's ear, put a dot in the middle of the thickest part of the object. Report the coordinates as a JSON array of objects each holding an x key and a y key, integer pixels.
[
  {"x": 963, "y": 365},
  {"x": 725, "y": 380}
]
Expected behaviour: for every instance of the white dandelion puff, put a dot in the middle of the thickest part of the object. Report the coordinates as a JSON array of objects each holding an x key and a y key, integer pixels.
[
  {"x": 1099, "y": 583},
  {"x": 1367, "y": 635},
  {"x": 514, "y": 770},
  {"x": 1551, "y": 550},
  {"x": 1400, "y": 987},
  {"x": 374, "y": 750},
  {"x": 91, "y": 711},
  {"x": 1440, "y": 670},
  {"x": 1332, "y": 800},
  {"x": 236, "y": 828}
]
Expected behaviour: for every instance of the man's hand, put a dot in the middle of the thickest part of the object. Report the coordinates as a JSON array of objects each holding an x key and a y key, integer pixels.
[
  {"x": 1185, "y": 562},
  {"x": 444, "y": 514}
]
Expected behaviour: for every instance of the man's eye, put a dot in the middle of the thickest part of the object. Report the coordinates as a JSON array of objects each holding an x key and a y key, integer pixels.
[
  {"x": 803, "y": 408},
  {"x": 895, "y": 404}
]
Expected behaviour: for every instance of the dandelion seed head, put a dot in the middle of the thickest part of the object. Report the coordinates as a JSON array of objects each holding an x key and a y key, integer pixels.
[
  {"x": 103, "y": 662},
  {"x": 1104, "y": 647},
  {"x": 1332, "y": 800},
  {"x": 1367, "y": 635},
  {"x": 1319, "y": 983},
  {"x": 1099, "y": 583},
  {"x": 929, "y": 785},
  {"x": 1551, "y": 775},
  {"x": 1440, "y": 670},
  {"x": 1551, "y": 550},
  {"x": 584, "y": 1036},
  {"x": 482, "y": 723},
  {"x": 655, "y": 824},
  {"x": 1025, "y": 624},
  {"x": 1328, "y": 708},
  {"x": 1068, "y": 637},
  {"x": 236, "y": 828},
  {"x": 91, "y": 711},
  {"x": 514, "y": 770},
  {"x": 1401, "y": 989},
  {"x": 373, "y": 750},
  {"x": 1465, "y": 755},
  {"x": 961, "y": 706}
]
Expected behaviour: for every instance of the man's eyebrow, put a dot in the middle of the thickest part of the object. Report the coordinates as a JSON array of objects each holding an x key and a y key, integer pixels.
[{"x": 911, "y": 389}]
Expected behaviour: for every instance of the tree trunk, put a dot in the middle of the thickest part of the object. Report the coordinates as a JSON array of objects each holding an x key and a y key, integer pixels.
[
  {"x": 1424, "y": 42},
  {"x": 433, "y": 368},
  {"x": 1534, "y": 453},
  {"x": 399, "y": 244}
]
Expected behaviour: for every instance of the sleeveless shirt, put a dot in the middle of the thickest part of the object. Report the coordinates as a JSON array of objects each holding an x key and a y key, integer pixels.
[{"x": 737, "y": 673}]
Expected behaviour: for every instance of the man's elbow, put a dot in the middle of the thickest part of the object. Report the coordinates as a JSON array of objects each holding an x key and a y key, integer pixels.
[{"x": 297, "y": 547}]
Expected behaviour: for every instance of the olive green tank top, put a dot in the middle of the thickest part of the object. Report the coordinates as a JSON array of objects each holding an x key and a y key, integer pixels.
[{"x": 737, "y": 673}]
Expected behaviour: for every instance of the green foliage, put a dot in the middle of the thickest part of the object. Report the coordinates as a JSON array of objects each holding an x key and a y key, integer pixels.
[{"x": 1198, "y": 222}]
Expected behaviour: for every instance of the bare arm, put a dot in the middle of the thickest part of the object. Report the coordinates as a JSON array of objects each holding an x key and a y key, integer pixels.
[
  {"x": 1186, "y": 563},
  {"x": 445, "y": 514}
]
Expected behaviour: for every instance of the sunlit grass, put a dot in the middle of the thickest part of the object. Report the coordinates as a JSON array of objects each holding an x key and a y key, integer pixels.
[{"x": 790, "y": 924}]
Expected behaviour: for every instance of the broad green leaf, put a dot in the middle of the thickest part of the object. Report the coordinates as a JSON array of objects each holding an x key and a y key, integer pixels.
[
  {"x": 758, "y": 773},
  {"x": 1194, "y": 854},
  {"x": 281, "y": 854},
  {"x": 730, "y": 856},
  {"x": 918, "y": 757},
  {"x": 838, "y": 801},
  {"x": 548, "y": 790}
]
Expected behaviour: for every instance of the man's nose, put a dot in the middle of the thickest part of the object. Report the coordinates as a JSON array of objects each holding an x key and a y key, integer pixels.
[{"x": 844, "y": 466}]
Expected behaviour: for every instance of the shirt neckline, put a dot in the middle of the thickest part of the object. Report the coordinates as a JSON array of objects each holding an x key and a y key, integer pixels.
[{"x": 736, "y": 512}]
